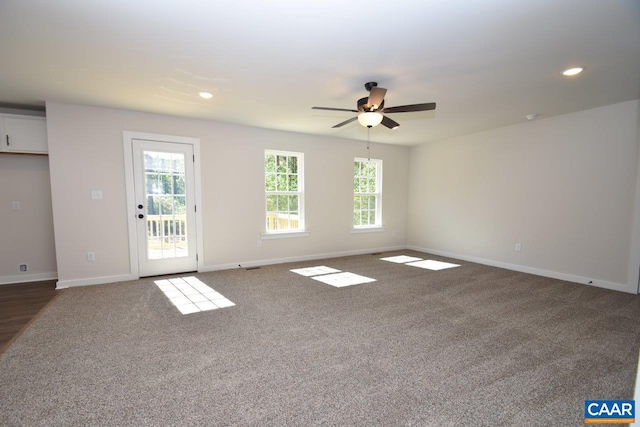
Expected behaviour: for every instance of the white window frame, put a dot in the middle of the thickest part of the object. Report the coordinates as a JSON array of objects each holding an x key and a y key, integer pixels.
[
  {"x": 297, "y": 232},
  {"x": 378, "y": 194}
]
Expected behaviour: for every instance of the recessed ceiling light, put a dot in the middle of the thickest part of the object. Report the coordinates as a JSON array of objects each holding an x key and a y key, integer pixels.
[
  {"x": 206, "y": 95},
  {"x": 572, "y": 71}
]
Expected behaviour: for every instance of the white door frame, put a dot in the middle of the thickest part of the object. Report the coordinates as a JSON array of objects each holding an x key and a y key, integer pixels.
[{"x": 127, "y": 142}]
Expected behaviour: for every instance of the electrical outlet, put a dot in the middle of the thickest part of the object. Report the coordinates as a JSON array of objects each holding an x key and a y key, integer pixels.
[
  {"x": 96, "y": 194},
  {"x": 23, "y": 268},
  {"x": 91, "y": 256},
  {"x": 259, "y": 243},
  {"x": 518, "y": 247},
  {"x": 15, "y": 206}
]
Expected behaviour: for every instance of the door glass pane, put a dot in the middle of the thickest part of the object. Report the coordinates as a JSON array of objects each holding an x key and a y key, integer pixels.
[{"x": 166, "y": 205}]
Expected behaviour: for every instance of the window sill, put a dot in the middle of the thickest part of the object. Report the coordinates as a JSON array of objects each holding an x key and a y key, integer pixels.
[
  {"x": 374, "y": 229},
  {"x": 285, "y": 235}
]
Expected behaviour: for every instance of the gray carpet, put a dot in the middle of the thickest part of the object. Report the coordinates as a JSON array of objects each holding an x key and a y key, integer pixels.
[{"x": 472, "y": 345}]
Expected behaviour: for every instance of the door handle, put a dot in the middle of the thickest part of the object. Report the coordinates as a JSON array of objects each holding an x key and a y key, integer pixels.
[
  {"x": 140, "y": 216},
  {"x": 140, "y": 206}
]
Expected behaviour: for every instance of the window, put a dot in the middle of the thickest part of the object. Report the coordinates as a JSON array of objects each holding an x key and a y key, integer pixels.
[
  {"x": 367, "y": 193},
  {"x": 284, "y": 185}
]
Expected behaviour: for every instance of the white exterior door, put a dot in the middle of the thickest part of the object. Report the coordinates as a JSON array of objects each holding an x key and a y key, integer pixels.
[{"x": 164, "y": 207}]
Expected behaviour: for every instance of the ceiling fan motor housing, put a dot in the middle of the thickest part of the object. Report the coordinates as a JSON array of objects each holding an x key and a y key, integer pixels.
[{"x": 363, "y": 107}]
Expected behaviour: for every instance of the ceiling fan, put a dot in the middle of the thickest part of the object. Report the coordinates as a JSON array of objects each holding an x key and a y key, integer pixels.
[{"x": 370, "y": 109}]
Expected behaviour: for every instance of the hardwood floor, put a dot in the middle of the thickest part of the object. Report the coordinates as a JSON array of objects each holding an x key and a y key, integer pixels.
[{"x": 19, "y": 304}]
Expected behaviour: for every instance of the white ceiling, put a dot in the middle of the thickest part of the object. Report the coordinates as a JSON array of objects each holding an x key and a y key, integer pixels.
[{"x": 486, "y": 63}]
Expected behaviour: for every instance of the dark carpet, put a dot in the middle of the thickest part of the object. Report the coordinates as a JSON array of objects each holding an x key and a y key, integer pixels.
[{"x": 472, "y": 345}]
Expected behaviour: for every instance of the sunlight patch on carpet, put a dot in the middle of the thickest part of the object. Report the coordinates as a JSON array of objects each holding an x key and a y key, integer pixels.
[
  {"x": 433, "y": 265},
  {"x": 401, "y": 259},
  {"x": 340, "y": 280},
  {"x": 314, "y": 271},
  {"x": 190, "y": 295}
]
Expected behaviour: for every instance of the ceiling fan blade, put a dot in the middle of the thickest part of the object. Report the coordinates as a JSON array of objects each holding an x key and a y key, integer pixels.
[
  {"x": 345, "y": 122},
  {"x": 333, "y": 109},
  {"x": 411, "y": 108},
  {"x": 376, "y": 97},
  {"x": 391, "y": 124}
]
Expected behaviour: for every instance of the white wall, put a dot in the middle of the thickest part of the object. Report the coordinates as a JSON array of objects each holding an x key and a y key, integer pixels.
[
  {"x": 634, "y": 257},
  {"x": 564, "y": 187},
  {"x": 85, "y": 152},
  {"x": 27, "y": 234}
]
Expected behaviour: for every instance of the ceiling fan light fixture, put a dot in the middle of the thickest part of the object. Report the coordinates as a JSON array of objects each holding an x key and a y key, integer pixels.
[
  {"x": 572, "y": 71},
  {"x": 370, "y": 119}
]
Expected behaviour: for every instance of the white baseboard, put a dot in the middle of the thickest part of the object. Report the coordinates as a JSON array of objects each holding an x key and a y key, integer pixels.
[
  {"x": 23, "y": 278},
  {"x": 538, "y": 272},
  {"x": 247, "y": 264},
  {"x": 62, "y": 284}
]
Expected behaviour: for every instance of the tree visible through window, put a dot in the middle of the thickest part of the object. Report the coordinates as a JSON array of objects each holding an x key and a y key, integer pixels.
[
  {"x": 367, "y": 193},
  {"x": 284, "y": 181}
]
